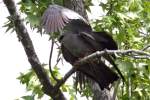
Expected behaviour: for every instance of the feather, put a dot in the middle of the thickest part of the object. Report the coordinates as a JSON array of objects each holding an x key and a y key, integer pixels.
[{"x": 56, "y": 17}]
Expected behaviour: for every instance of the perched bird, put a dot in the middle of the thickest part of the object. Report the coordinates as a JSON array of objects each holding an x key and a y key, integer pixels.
[{"x": 78, "y": 40}]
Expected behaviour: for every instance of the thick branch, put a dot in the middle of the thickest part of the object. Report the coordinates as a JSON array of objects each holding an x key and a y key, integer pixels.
[{"x": 23, "y": 36}]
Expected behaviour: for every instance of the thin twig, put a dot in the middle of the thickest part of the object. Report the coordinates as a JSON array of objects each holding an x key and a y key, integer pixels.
[
  {"x": 110, "y": 8},
  {"x": 100, "y": 53},
  {"x": 115, "y": 90},
  {"x": 57, "y": 61},
  {"x": 130, "y": 52},
  {"x": 146, "y": 47},
  {"x": 142, "y": 54},
  {"x": 143, "y": 33},
  {"x": 115, "y": 66},
  {"x": 63, "y": 80},
  {"x": 50, "y": 59},
  {"x": 141, "y": 57}
]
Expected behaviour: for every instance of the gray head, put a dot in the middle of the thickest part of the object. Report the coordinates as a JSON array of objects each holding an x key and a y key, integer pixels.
[{"x": 56, "y": 17}]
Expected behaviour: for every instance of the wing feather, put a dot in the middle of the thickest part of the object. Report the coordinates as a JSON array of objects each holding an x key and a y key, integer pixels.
[{"x": 56, "y": 17}]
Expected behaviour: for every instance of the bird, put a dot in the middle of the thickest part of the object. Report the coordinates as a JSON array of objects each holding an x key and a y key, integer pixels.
[{"x": 78, "y": 40}]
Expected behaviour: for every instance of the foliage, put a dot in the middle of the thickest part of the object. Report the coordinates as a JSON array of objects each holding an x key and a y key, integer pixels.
[
  {"x": 34, "y": 10},
  {"x": 9, "y": 25},
  {"x": 128, "y": 21},
  {"x": 33, "y": 86}
]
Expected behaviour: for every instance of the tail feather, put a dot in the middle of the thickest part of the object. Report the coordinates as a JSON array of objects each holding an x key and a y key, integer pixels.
[{"x": 100, "y": 73}]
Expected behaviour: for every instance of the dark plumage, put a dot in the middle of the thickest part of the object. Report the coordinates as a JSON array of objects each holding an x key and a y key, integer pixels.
[
  {"x": 76, "y": 46},
  {"x": 78, "y": 40}
]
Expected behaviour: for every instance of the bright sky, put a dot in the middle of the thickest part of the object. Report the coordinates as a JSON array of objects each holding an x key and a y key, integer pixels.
[{"x": 13, "y": 59}]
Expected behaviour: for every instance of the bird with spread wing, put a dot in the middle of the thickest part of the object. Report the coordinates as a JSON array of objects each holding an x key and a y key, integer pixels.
[{"x": 78, "y": 40}]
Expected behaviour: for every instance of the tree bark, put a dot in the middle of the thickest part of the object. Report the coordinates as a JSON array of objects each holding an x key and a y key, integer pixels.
[{"x": 76, "y": 5}]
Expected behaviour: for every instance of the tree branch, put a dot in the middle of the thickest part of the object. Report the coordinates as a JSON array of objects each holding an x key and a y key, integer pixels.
[
  {"x": 110, "y": 9},
  {"x": 132, "y": 53},
  {"x": 24, "y": 37},
  {"x": 50, "y": 59},
  {"x": 63, "y": 80},
  {"x": 137, "y": 54},
  {"x": 146, "y": 47}
]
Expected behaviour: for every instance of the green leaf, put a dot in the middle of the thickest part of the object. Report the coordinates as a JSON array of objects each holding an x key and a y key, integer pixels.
[
  {"x": 64, "y": 88},
  {"x": 125, "y": 66},
  {"x": 33, "y": 19},
  {"x": 135, "y": 5},
  {"x": 9, "y": 24},
  {"x": 29, "y": 97},
  {"x": 59, "y": 2}
]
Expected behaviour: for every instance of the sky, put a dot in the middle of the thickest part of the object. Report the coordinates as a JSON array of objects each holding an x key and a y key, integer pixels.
[{"x": 13, "y": 59}]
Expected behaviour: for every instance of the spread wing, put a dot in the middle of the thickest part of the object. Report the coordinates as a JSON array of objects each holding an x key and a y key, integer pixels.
[{"x": 56, "y": 17}]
